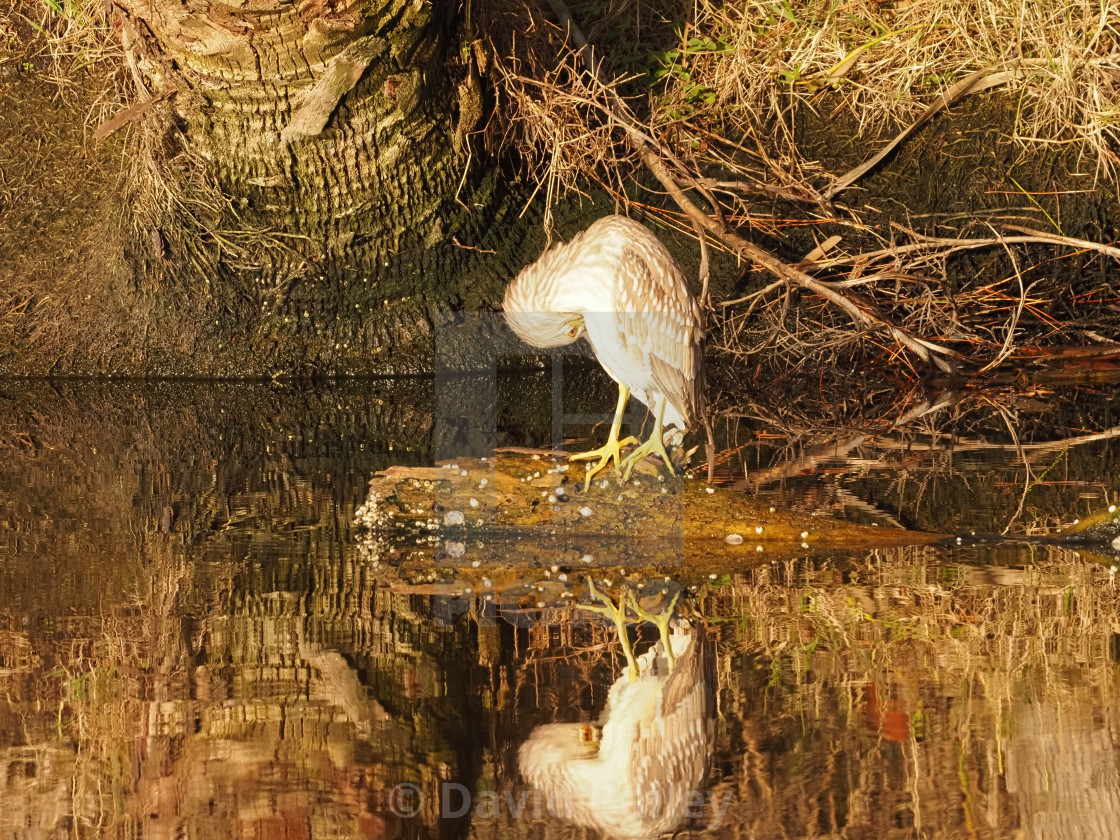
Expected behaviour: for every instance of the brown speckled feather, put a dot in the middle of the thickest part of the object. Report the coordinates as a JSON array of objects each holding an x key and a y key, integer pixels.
[{"x": 667, "y": 325}]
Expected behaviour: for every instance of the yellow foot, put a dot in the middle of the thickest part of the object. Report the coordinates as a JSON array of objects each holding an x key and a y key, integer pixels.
[
  {"x": 653, "y": 446},
  {"x": 617, "y": 614},
  {"x": 661, "y": 620},
  {"x": 609, "y": 451}
]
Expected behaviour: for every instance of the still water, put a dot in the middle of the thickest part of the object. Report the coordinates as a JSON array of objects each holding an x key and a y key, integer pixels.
[{"x": 196, "y": 642}]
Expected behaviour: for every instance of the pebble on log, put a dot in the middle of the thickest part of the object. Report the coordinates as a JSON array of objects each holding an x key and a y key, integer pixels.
[{"x": 528, "y": 508}]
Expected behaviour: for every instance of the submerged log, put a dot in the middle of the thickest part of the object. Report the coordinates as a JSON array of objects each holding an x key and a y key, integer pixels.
[{"x": 527, "y": 508}]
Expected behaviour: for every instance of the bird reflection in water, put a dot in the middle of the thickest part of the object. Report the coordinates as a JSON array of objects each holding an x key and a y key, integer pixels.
[{"x": 636, "y": 772}]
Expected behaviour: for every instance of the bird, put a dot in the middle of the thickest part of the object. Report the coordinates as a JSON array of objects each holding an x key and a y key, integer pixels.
[
  {"x": 616, "y": 284},
  {"x": 636, "y": 772}
]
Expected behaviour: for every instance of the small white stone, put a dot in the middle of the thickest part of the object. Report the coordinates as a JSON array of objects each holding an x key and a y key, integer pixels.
[
  {"x": 563, "y": 578},
  {"x": 664, "y": 490},
  {"x": 773, "y": 509},
  {"x": 483, "y": 482},
  {"x": 710, "y": 577},
  {"x": 710, "y": 489},
  {"x": 1112, "y": 508},
  {"x": 758, "y": 529},
  {"x": 758, "y": 548},
  {"x": 453, "y": 517},
  {"x": 585, "y": 511},
  {"x": 462, "y": 472},
  {"x": 474, "y": 502},
  {"x": 558, "y": 491},
  {"x": 587, "y": 558},
  {"x": 456, "y": 549},
  {"x": 804, "y": 535},
  {"x": 733, "y": 539},
  {"x": 551, "y": 500},
  {"x": 555, "y": 568},
  {"x": 804, "y": 545},
  {"x": 476, "y": 563}
]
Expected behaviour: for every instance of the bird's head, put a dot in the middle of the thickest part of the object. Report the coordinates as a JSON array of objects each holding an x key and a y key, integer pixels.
[
  {"x": 539, "y": 305},
  {"x": 544, "y": 329}
]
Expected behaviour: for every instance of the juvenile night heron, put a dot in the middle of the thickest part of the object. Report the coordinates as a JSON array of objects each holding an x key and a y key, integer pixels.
[
  {"x": 618, "y": 284},
  {"x": 636, "y": 773}
]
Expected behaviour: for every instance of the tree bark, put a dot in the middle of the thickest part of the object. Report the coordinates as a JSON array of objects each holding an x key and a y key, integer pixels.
[{"x": 338, "y": 133}]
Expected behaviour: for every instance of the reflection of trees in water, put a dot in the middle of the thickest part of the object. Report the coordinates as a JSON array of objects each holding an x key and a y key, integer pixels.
[
  {"x": 856, "y": 696},
  {"x": 974, "y": 459},
  {"x": 236, "y": 669}
]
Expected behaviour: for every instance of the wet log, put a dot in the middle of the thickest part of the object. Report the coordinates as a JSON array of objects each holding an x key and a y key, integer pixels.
[{"x": 528, "y": 508}]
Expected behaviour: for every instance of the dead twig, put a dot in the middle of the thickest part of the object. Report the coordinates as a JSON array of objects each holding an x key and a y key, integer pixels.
[{"x": 654, "y": 156}]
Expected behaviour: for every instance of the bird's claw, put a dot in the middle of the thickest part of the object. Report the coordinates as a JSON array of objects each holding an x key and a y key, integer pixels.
[
  {"x": 661, "y": 620},
  {"x": 653, "y": 446},
  {"x": 611, "y": 450},
  {"x": 617, "y": 614}
]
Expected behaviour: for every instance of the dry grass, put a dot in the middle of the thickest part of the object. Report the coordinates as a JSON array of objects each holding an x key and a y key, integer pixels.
[
  {"x": 733, "y": 73},
  {"x": 883, "y": 63},
  {"x": 715, "y": 90},
  {"x": 75, "y": 39}
]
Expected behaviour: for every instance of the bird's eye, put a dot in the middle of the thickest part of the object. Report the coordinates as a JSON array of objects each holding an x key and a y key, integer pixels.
[{"x": 573, "y": 332}]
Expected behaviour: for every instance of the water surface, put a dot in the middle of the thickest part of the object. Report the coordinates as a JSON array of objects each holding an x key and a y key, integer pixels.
[{"x": 194, "y": 643}]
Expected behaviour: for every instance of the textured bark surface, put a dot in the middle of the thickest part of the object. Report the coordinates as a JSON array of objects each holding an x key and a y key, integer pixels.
[
  {"x": 372, "y": 172},
  {"x": 308, "y": 203}
]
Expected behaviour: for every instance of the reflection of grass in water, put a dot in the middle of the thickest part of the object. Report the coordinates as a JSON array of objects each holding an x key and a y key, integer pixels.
[
  {"x": 941, "y": 667},
  {"x": 957, "y": 468},
  {"x": 924, "y": 686},
  {"x": 102, "y": 712}
]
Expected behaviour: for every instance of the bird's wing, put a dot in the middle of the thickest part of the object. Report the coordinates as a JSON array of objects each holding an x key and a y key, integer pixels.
[
  {"x": 671, "y": 755},
  {"x": 659, "y": 314}
]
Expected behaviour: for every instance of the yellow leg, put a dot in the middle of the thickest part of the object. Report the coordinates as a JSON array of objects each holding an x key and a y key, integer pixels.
[
  {"x": 653, "y": 446},
  {"x": 618, "y": 616},
  {"x": 613, "y": 446},
  {"x": 661, "y": 620}
]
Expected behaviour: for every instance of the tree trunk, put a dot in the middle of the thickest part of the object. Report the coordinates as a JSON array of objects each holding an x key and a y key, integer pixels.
[{"x": 337, "y": 136}]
